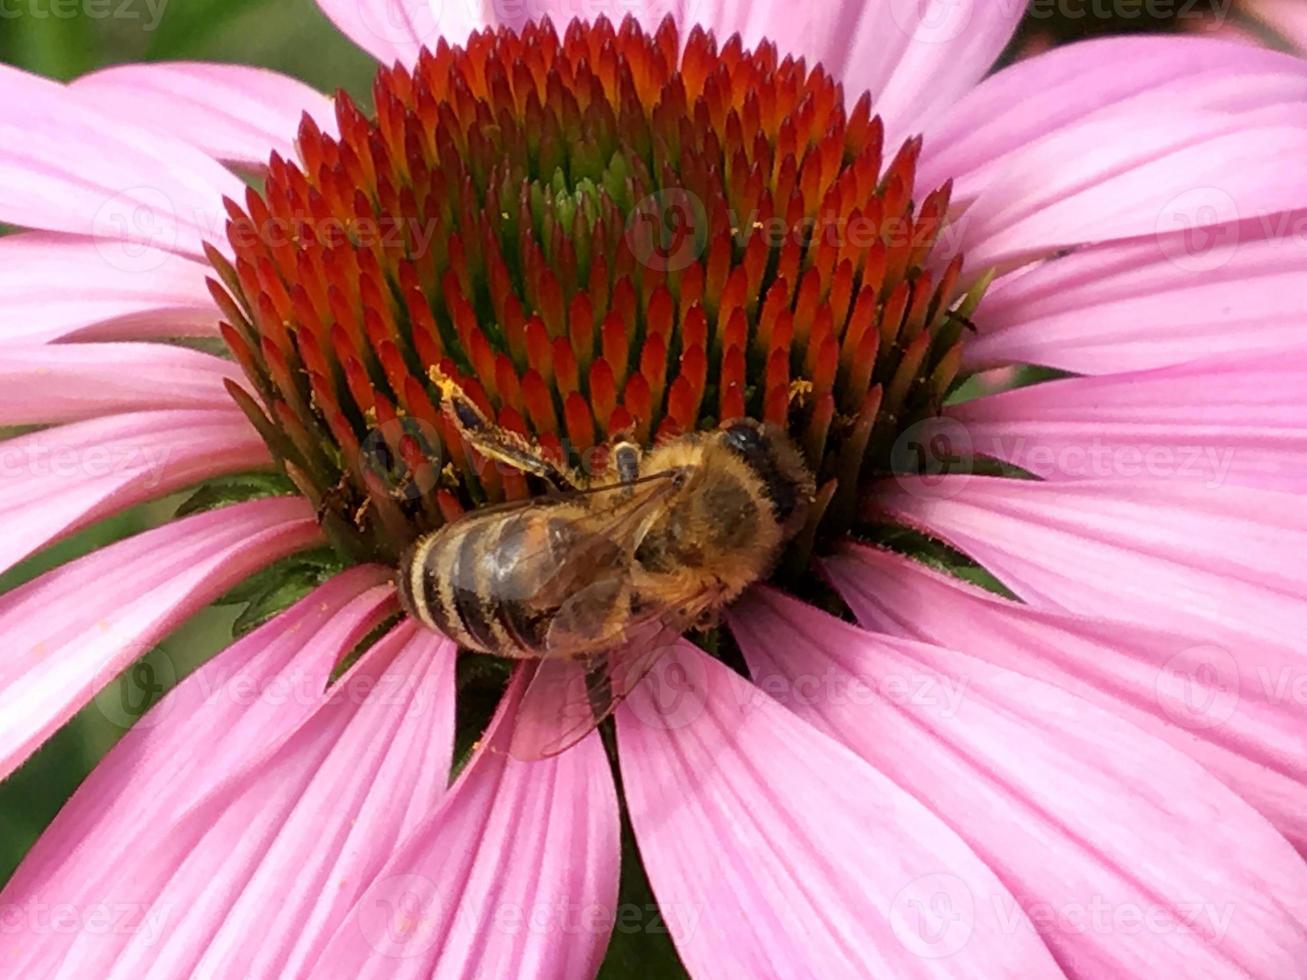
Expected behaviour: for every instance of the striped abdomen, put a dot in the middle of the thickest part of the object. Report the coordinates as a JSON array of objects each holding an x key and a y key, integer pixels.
[{"x": 496, "y": 583}]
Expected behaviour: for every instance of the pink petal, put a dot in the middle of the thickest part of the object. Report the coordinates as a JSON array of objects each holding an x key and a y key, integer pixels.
[
  {"x": 1285, "y": 16},
  {"x": 1057, "y": 92},
  {"x": 233, "y": 113},
  {"x": 60, "y": 286},
  {"x": 1232, "y": 711},
  {"x": 1240, "y": 420},
  {"x": 1172, "y": 556},
  {"x": 73, "y": 629},
  {"x": 914, "y": 57},
  {"x": 396, "y": 30},
  {"x": 1082, "y": 815},
  {"x": 67, "y": 166},
  {"x": 256, "y": 876},
  {"x": 54, "y": 481},
  {"x": 514, "y": 876},
  {"x": 1136, "y": 172},
  {"x": 952, "y": 45},
  {"x": 776, "y": 852},
  {"x": 241, "y": 706},
  {"x": 68, "y": 382},
  {"x": 1157, "y": 301}
]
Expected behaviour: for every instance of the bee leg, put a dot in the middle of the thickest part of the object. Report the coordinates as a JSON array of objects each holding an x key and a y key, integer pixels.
[{"x": 497, "y": 443}]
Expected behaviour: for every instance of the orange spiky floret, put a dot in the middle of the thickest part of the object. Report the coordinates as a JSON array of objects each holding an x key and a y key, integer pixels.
[{"x": 599, "y": 233}]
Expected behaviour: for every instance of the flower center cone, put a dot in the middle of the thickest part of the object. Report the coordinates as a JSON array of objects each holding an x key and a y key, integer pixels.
[{"x": 608, "y": 233}]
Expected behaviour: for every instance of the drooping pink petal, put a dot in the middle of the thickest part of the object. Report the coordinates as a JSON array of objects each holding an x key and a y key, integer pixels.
[
  {"x": 62, "y": 286},
  {"x": 259, "y": 873},
  {"x": 1161, "y": 300},
  {"x": 54, "y": 383},
  {"x": 1238, "y": 420},
  {"x": 774, "y": 851},
  {"x": 54, "y": 481},
  {"x": 1056, "y": 92},
  {"x": 913, "y": 57},
  {"x": 1173, "y": 556},
  {"x": 396, "y": 30},
  {"x": 952, "y": 45},
  {"x": 240, "y": 707},
  {"x": 1235, "y": 711},
  {"x": 1285, "y": 16},
  {"x": 73, "y": 629},
  {"x": 514, "y": 876},
  {"x": 1132, "y": 173},
  {"x": 145, "y": 187},
  {"x": 1098, "y": 828},
  {"x": 234, "y": 113}
]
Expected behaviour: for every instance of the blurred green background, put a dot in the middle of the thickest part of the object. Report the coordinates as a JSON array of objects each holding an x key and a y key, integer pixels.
[
  {"x": 294, "y": 37},
  {"x": 290, "y": 35}
]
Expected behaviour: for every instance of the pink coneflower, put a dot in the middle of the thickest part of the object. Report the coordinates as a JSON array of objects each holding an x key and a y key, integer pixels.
[{"x": 1089, "y": 764}]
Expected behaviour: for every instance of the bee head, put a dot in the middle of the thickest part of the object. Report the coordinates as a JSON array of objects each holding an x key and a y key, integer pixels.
[{"x": 780, "y": 466}]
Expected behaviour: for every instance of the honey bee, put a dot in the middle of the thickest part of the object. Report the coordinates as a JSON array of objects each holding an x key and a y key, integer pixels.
[{"x": 596, "y": 578}]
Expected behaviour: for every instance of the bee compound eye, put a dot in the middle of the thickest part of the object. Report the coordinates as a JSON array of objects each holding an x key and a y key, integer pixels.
[{"x": 746, "y": 439}]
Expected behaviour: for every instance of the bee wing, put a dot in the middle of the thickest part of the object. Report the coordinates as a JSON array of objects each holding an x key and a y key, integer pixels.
[
  {"x": 602, "y": 538},
  {"x": 568, "y": 698},
  {"x": 601, "y": 557}
]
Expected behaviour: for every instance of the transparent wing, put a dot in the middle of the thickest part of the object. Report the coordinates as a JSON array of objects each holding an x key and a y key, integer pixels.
[
  {"x": 548, "y": 563},
  {"x": 610, "y": 494},
  {"x": 568, "y": 698}
]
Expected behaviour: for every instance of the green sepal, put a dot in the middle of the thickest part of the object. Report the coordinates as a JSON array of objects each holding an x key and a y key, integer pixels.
[
  {"x": 282, "y": 596},
  {"x": 279, "y": 586},
  {"x": 235, "y": 489}
]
